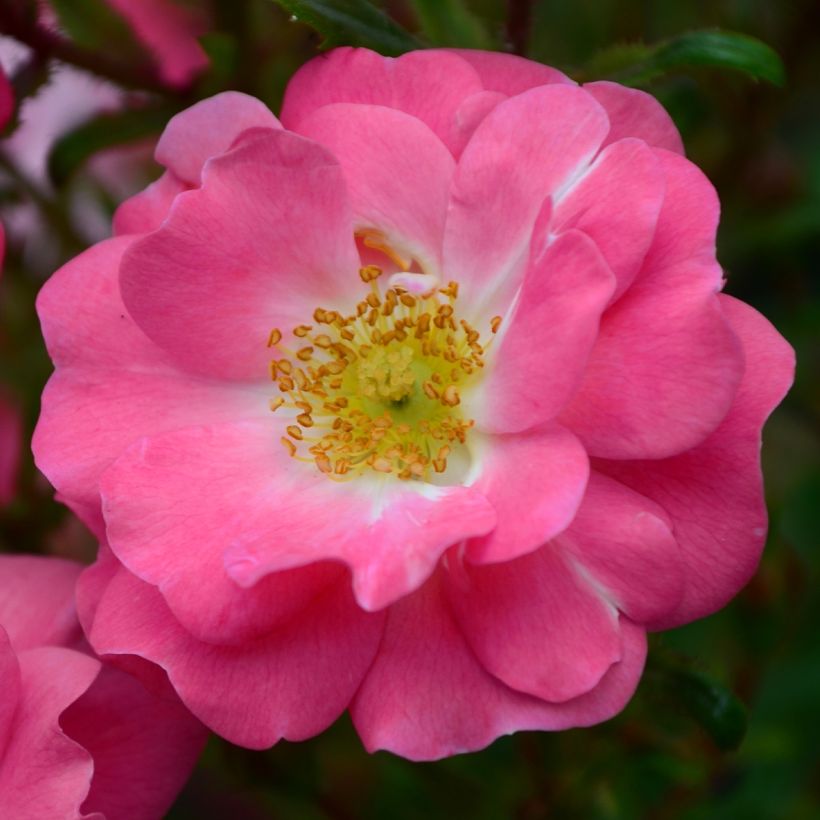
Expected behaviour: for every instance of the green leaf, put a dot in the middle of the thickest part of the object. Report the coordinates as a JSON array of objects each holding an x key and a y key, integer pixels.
[
  {"x": 72, "y": 150},
  {"x": 94, "y": 24},
  {"x": 639, "y": 64},
  {"x": 351, "y": 23},
  {"x": 450, "y": 23},
  {"x": 711, "y": 704}
]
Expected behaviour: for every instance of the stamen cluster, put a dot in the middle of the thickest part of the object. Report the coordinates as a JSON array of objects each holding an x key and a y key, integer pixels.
[{"x": 379, "y": 389}]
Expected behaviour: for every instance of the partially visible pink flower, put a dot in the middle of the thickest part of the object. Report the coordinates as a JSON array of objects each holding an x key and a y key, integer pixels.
[
  {"x": 78, "y": 739},
  {"x": 422, "y": 402},
  {"x": 170, "y": 32},
  {"x": 11, "y": 439},
  {"x": 6, "y": 99}
]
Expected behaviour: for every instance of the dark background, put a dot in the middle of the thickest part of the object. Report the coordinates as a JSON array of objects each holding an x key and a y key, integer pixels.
[{"x": 679, "y": 750}]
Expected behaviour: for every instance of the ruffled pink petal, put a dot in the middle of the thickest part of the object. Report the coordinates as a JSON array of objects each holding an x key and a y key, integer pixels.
[
  {"x": 105, "y": 361},
  {"x": 37, "y": 600},
  {"x": 688, "y": 221},
  {"x": 146, "y": 211},
  {"x": 44, "y": 773},
  {"x": 170, "y": 32},
  {"x": 397, "y": 172},
  {"x": 634, "y": 113},
  {"x": 10, "y": 676},
  {"x": 292, "y": 683},
  {"x": 508, "y": 73},
  {"x": 525, "y": 150},
  {"x": 83, "y": 319},
  {"x": 666, "y": 365},
  {"x": 468, "y": 117},
  {"x": 11, "y": 447},
  {"x": 427, "y": 696},
  {"x": 265, "y": 240},
  {"x": 663, "y": 372},
  {"x": 623, "y": 541},
  {"x": 199, "y": 511},
  {"x": 411, "y": 83},
  {"x": 616, "y": 203},
  {"x": 544, "y": 344},
  {"x": 144, "y": 747},
  {"x": 536, "y": 623},
  {"x": 208, "y": 129},
  {"x": 714, "y": 492},
  {"x": 535, "y": 482}
]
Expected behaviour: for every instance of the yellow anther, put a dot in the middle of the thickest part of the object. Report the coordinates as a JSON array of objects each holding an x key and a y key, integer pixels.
[
  {"x": 430, "y": 390},
  {"x": 450, "y": 395},
  {"x": 381, "y": 388},
  {"x": 289, "y": 446},
  {"x": 382, "y": 465},
  {"x": 369, "y": 273},
  {"x": 495, "y": 323}
]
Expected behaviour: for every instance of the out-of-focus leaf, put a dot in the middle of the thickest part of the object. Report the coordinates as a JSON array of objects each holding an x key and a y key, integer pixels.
[
  {"x": 93, "y": 24},
  {"x": 351, "y": 23},
  {"x": 639, "y": 64},
  {"x": 451, "y": 23},
  {"x": 718, "y": 711},
  {"x": 107, "y": 131}
]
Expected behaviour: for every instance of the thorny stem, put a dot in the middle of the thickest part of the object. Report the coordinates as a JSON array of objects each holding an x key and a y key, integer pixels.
[
  {"x": 48, "y": 44},
  {"x": 519, "y": 23}
]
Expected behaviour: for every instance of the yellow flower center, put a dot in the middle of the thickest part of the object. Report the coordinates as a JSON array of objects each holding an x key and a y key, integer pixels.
[{"x": 380, "y": 389}]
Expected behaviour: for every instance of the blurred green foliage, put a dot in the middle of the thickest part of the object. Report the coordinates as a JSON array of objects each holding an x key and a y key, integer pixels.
[{"x": 679, "y": 750}]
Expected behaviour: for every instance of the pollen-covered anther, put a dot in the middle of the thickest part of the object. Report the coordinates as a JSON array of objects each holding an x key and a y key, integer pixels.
[{"x": 380, "y": 390}]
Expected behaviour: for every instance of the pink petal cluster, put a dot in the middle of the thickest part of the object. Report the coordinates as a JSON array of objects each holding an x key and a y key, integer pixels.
[
  {"x": 611, "y": 482},
  {"x": 79, "y": 739}
]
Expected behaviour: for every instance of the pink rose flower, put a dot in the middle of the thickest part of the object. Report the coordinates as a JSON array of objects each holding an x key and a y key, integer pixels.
[
  {"x": 422, "y": 402},
  {"x": 79, "y": 739}
]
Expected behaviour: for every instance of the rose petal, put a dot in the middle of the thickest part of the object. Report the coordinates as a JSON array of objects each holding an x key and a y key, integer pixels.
[
  {"x": 536, "y": 624},
  {"x": 51, "y": 679},
  {"x": 410, "y": 83},
  {"x": 624, "y": 542},
  {"x": 616, "y": 203},
  {"x": 427, "y": 696},
  {"x": 535, "y": 482},
  {"x": 270, "y": 231},
  {"x": 397, "y": 172},
  {"x": 198, "y": 511},
  {"x": 539, "y": 359},
  {"x": 37, "y": 600},
  {"x": 207, "y": 129},
  {"x": 144, "y": 747},
  {"x": 634, "y": 113},
  {"x": 519, "y": 155},
  {"x": 714, "y": 492},
  {"x": 293, "y": 683},
  {"x": 509, "y": 73}
]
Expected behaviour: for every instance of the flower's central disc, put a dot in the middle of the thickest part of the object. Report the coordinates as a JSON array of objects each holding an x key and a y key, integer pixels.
[{"x": 380, "y": 390}]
